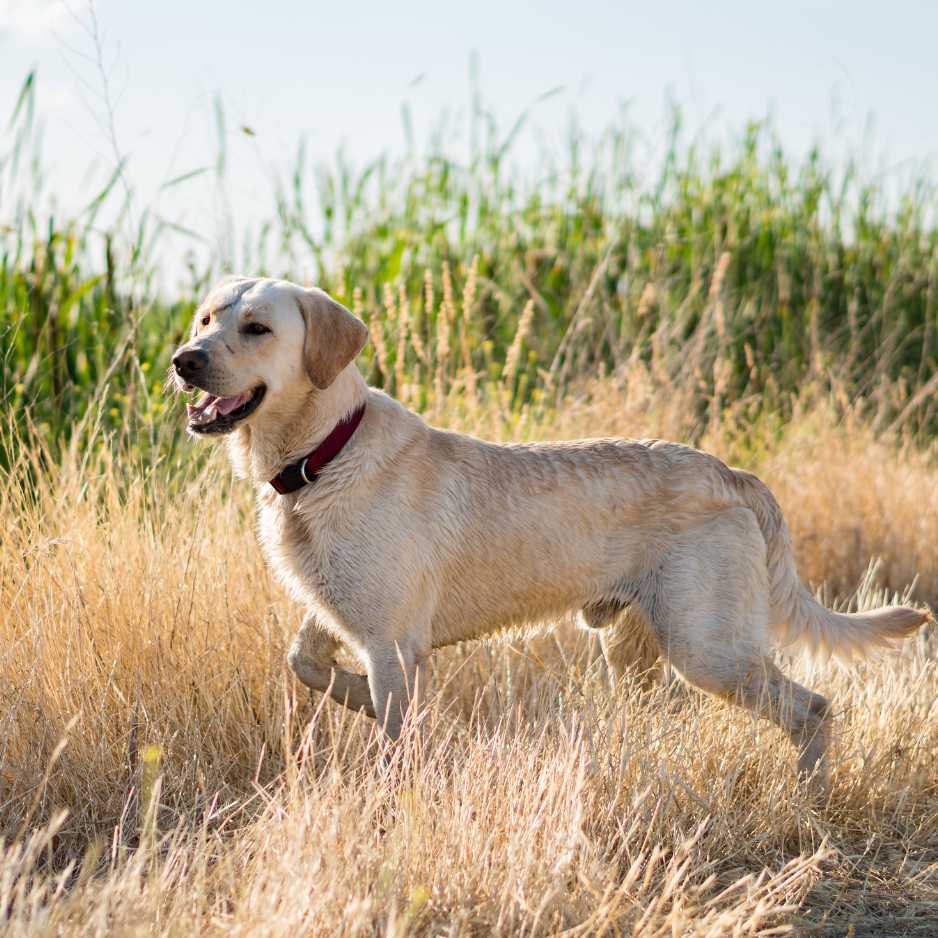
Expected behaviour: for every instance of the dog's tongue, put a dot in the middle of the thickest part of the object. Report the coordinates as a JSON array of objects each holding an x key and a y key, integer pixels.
[{"x": 225, "y": 405}]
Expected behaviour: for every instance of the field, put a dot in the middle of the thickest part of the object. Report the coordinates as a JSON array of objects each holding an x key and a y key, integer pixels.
[{"x": 160, "y": 771}]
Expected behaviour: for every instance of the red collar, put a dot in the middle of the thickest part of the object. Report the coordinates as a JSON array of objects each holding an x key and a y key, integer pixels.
[{"x": 304, "y": 472}]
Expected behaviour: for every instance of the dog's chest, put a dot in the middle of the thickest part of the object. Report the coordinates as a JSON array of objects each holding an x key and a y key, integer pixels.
[{"x": 306, "y": 551}]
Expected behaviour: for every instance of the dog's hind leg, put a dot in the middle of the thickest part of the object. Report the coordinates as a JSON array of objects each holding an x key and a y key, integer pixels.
[
  {"x": 627, "y": 640},
  {"x": 710, "y": 611},
  {"x": 629, "y": 644},
  {"x": 312, "y": 660},
  {"x": 804, "y": 715}
]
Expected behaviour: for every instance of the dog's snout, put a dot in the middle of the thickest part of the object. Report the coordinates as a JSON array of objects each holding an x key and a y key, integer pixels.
[{"x": 189, "y": 363}]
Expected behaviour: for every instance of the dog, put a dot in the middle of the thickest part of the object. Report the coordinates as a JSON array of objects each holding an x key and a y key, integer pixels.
[{"x": 399, "y": 538}]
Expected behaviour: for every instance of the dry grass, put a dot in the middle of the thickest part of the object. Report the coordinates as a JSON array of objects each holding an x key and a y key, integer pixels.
[{"x": 162, "y": 774}]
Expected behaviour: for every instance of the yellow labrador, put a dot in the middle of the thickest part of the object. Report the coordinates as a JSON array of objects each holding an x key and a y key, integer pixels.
[{"x": 399, "y": 538}]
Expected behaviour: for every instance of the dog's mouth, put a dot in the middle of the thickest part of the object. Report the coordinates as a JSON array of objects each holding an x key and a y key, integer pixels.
[{"x": 211, "y": 414}]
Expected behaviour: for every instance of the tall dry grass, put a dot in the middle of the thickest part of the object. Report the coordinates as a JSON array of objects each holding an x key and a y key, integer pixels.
[{"x": 162, "y": 774}]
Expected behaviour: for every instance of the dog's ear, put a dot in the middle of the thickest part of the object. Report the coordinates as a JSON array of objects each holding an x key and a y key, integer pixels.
[{"x": 333, "y": 336}]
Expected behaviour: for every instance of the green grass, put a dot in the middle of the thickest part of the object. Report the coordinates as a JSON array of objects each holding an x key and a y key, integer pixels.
[{"x": 760, "y": 271}]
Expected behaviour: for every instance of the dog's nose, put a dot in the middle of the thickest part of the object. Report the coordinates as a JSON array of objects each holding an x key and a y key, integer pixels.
[{"x": 189, "y": 362}]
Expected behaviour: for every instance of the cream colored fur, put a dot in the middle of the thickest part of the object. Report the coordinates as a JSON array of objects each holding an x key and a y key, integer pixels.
[{"x": 414, "y": 538}]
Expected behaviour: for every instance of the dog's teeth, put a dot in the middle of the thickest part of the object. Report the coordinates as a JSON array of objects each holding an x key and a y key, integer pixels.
[{"x": 206, "y": 415}]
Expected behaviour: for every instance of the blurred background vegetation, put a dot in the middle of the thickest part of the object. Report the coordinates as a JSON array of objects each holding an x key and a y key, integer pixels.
[{"x": 742, "y": 274}]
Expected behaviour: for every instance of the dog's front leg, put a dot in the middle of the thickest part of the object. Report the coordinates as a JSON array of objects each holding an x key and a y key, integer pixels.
[
  {"x": 312, "y": 660},
  {"x": 396, "y": 675}
]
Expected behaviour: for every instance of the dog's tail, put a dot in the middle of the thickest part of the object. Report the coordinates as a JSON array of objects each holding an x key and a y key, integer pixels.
[{"x": 795, "y": 613}]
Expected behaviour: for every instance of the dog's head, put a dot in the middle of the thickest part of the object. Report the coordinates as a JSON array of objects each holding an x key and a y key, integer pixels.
[{"x": 255, "y": 341}]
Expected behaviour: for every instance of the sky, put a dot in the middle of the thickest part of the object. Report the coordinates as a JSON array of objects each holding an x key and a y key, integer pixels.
[{"x": 861, "y": 77}]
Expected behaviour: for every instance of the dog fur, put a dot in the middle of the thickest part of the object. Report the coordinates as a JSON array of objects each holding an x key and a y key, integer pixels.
[{"x": 414, "y": 537}]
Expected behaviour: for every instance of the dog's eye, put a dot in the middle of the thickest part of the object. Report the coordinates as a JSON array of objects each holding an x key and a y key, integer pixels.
[
  {"x": 255, "y": 328},
  {"x": 206, "y": 320}
]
